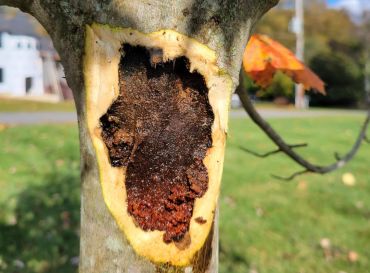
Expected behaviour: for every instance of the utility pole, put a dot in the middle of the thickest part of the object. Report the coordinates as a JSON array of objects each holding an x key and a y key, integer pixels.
[
  {"x": 299, "y": 30},
  {"x": 366, "y": 40},
  {"x": 367, "y": 75}
]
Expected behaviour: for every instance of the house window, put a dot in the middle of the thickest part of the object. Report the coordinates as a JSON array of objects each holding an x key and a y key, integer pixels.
[
  {"x": 1, "y": 75},
  {"x": 19, "y": 45},
  {"x": 1, "y": 40},
  {"x": 28, "y": 84}
]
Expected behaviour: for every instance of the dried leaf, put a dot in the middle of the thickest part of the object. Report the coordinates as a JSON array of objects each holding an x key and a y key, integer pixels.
[
  {"x": 352, "y": 256},
  {"x": 348, "y": 179},
  {"x": 2, "y": 127},
  {"x": 302, "y": 185},
  {"x": 259, "y": 212},
  {"x": 13, "y": 170},
  {"x": 325, "y": 243},
  {"x": 59, "y": 162},
  {"x": 263, "y": 57}
]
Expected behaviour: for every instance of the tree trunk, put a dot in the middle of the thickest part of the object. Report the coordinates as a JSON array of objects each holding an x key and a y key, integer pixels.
[{"x": 221, "y": 27}]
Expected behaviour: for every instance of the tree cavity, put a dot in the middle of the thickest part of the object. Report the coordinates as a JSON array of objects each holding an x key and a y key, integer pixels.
[{"x": 159, "y": 127}]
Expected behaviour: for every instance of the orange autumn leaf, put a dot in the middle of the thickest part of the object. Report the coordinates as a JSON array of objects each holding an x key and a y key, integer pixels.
[{"x": 263, "y": 57}]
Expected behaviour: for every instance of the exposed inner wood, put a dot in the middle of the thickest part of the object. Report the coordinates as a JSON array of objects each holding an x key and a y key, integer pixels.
[{"x": 160, "y": 128}]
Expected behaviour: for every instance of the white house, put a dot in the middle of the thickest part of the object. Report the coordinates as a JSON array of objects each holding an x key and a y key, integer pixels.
[{"x": 21, "y": 66}]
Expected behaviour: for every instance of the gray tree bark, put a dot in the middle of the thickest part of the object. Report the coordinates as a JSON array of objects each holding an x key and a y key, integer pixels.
[{"x": 222, "y": 25}]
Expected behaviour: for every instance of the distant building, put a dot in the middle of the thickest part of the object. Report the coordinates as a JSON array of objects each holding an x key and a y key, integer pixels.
[
  {"x": 21, "y": 65},
  {"x": 29, "y": 64}
]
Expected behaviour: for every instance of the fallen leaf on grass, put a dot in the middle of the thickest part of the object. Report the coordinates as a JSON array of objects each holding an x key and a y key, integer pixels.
[
  {"x": 352, "y": 256},
  {"x": 13, "y": 170},
  {"x": 259, "y": 212},
  {"x": 59, "y": 162},
  {"x": 359, "y": 204},
  {"x": 66, "y": 218},
  {"x": 18, "y": 263},
  {"x": 326, "y": 247},
  {"x": 3, "y": 127},
  {"x": 302, "y": 185},
  {"x": 348, "y": 179},
  {"x": 334, "y": 252},
  {"x": 230, "y": 201},
  {"x": 325, "y": 243}
]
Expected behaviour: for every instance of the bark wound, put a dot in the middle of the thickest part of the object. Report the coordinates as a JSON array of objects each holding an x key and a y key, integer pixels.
[{"x": 160, "y": 128}]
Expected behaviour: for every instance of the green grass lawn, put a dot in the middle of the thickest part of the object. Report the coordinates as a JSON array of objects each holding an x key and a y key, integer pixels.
[
  {"x": 15, "y": 105},
  {"x": 266, "y": 225}
]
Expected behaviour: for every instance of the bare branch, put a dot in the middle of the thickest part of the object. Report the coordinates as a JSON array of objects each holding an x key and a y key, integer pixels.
[
  {"x": 291, "y": 177},
  {"x": 284, "y": 147},
  {"x": 271, "y": 152}
]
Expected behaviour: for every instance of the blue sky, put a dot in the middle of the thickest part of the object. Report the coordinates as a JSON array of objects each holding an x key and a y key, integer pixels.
[{"x": 354, "y": 6}]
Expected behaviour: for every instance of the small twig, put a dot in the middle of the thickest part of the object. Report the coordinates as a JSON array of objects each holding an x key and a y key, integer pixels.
[
  {"x": 291, "y": 177},
  {"x": 337, "y": 156},
  {"x": 285, "y": 148},
  {"x": 271, "y": 152},
  {"x": 366, "y": 139}
]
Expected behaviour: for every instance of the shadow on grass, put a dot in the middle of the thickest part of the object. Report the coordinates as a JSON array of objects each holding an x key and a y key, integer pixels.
[
  {"x": 231, "y": 259},
  {"x": 43, "y": 236}
]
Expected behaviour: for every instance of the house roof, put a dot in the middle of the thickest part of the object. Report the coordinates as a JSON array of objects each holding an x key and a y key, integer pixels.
[{"x": 19, "y": 23}]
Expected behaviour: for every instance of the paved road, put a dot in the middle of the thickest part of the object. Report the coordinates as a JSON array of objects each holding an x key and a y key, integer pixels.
[
  {"x": 283, "y": 113},
  {"x": 37, "y": 117},
  {"x": 68, "y": 117}
]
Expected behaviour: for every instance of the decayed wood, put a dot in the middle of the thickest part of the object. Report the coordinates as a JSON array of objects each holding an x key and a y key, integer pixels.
[{"x": 222, "y": 25}]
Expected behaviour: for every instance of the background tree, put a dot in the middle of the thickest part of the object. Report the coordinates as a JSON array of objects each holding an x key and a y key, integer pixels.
[
  {"x": 330, "y": 36},
  {"x": 345, "y": 87}
]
